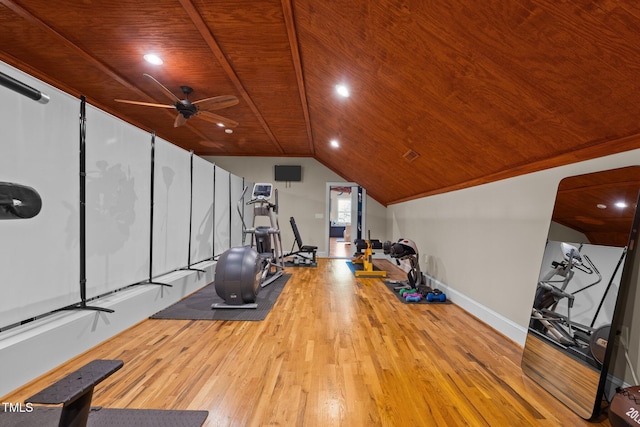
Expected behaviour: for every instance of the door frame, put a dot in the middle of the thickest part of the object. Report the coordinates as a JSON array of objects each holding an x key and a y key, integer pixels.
[{"x": 354, "y": 226}]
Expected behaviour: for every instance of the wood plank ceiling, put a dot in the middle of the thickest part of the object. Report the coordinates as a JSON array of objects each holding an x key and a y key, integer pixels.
[
  {"x": 590, "y": 204},
  {"x": 444, "y": 95}
]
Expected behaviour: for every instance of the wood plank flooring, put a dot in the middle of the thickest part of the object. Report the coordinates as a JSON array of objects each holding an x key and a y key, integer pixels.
[
  {"x": 340, "y": 249},
  {"x": 334, "y": 351}
]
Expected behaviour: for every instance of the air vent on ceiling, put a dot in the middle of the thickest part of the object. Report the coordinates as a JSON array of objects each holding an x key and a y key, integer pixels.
[{"x": 410, "y": 155}]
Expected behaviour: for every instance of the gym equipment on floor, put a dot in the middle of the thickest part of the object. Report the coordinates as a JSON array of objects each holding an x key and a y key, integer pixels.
[
  {"x": 583, "y": 341},
  {"x": 436, "y": 295},
  {"x": 242, "y": 271},
  {"x": 624, "y": 410},
  {"x": 413, "y": 297},
  {"x": 405, "y": 249},
  {"x": 76, "y": 390},
  {"x": 306, "y": 254},
  {"x": 364, "y": 256},
  {"x": 237, "y": 278}
]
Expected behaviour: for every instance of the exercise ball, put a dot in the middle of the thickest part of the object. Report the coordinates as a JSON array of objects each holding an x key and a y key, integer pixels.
[{"x": 237, "y": 277}]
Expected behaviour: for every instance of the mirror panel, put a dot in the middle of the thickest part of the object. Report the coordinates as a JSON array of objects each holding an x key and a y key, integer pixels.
[{"x": 576, "y": 296}]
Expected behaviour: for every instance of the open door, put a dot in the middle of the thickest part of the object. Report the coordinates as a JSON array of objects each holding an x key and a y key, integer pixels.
[{"x": 345, "y": 213}]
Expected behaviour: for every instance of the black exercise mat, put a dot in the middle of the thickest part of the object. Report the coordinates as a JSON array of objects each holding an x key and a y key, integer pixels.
[
  {"x": 391, "y": 284},
  {"x": 110, "y": 417},
  {"x": 106, "y": 417},
  {"x": 197, "y": 306}
]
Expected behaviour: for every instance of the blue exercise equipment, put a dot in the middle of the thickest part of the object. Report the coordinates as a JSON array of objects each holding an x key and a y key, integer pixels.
[{"x": 436, "y": 296}]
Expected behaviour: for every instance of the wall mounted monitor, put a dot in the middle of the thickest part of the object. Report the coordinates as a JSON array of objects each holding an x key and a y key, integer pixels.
[{"x": 290, "y": 173}]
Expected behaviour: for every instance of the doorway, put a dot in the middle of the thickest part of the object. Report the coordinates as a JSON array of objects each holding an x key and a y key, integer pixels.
[{"x": 345, "y": 211}]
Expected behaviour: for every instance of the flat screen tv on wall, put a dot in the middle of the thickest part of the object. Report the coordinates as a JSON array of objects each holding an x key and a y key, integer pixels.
[{"x": 289, "y": 173}]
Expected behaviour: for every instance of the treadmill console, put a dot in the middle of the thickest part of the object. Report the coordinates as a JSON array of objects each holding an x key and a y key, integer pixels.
[{"x": 262, "y": 191}]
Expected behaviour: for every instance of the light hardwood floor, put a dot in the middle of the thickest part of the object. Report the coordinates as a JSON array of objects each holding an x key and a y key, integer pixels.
[
  {"x": 334, "y": 351},
  {"x": 340, "y": 249}
]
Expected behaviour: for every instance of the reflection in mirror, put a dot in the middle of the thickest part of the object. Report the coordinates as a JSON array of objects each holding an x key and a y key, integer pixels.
[{"x": 578, "y": 286}]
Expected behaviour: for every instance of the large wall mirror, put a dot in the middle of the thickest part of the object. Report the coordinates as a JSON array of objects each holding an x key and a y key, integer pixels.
[{"x": 584, "y": 271}]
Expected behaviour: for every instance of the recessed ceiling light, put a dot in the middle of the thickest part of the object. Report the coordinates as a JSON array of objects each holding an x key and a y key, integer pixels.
[
  {"x": 621, "y": 205},
  {"x": 152, "y": 58},
  {"x": 228, "y": 130},
  {"x": 335, "y": 143},
  {"x": 601, "y": 206},
  {"x": 342, "y": 90},
  {"x": 220, "y": 124}
]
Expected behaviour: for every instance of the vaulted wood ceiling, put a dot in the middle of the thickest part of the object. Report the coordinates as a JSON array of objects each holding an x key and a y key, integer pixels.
[{"x": 444, "y": 95}]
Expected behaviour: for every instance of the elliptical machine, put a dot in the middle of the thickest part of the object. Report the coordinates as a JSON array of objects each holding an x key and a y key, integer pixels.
[
  {"x": 586, "y": 342},
  {"x": 242, "y": 271}
]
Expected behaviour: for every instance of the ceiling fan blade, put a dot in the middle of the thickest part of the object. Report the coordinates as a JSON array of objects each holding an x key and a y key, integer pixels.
[
  {"x": 164, "y": 89},
  {"x": 214, "y": 118},
  {"x": 180, "y": 120},
  {"x": 216, "y": 102},
  {"x": 146, "y": 104}
]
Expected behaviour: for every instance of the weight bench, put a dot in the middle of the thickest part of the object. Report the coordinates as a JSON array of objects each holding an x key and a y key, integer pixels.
[
  {"x": 307, "y": 252},
  {"x": 75, "y": 391}
]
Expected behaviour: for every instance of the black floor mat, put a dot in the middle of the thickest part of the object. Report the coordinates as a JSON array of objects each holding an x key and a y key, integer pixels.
[
  {"x": 105, "y": 417},
  {"x": 391, "y": 284},
  {"x": 197, "y": 306}
]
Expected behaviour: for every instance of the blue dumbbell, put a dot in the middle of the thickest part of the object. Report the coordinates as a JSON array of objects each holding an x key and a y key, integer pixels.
[{"x": 436, "y": 296}]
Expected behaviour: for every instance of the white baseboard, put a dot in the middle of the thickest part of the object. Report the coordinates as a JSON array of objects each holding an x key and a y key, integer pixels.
[
  {"x": 507, "y": 327},
  {"x": 30, "y": 350}
]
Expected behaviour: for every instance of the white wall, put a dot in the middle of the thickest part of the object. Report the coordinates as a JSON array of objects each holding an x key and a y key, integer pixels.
[
  {"x": 485, "y": 244},
  {"x": 305, "y": 200}
]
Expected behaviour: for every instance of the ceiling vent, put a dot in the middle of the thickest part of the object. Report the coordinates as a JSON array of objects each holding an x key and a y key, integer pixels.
[{"x": 410, "y": 155}]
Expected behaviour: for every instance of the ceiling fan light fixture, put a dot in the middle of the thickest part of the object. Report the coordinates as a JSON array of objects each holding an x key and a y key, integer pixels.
[
  {"x": 187, "y": 109},
  {"x": 154, "y": 59}
]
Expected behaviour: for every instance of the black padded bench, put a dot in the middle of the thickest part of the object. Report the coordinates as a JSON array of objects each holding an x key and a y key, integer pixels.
[
  {"x": 75, "y": 391},
  {"x": 302, "y": 248}
]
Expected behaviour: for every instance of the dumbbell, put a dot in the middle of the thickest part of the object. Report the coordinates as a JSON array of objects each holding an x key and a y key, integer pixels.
[
  {"x": 436, "y": 295},
  {"x": 413, "y": 298},
  {"x": 404, "y": 292}
]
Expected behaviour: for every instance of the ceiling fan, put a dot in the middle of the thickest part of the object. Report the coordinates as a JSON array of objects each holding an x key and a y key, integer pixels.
[{"x": 187, "y": 109}]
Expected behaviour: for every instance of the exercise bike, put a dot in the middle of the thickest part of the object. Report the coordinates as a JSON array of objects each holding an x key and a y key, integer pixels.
[
  {"x": 405, "y": 249},
  {"x": 242, "y": 271},
  {"x": 585, "y": 341}
]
